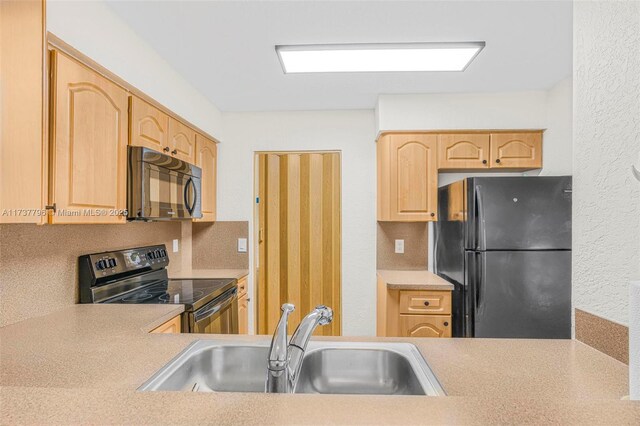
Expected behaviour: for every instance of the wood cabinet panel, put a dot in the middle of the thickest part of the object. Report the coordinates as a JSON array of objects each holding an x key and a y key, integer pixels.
[
  {"x": 174, "y": 325},
  {"x": 89, "y": 144},
  {"x": 407, "y": 178},
  {"x": 463, "y": 151},
  {"x": 516, "y": 150},
  {"x": 242, "y": 286},
  {"x": 243, "y": 315},
  {"x": 182, "y": 141},
  {"x": 148, "y": 126},
  {"x": 425, "y": 302},
  {"x": 207, "y": 160},
  {"x": 23, "y": 145},
  {"x": 425, "y": 326}
]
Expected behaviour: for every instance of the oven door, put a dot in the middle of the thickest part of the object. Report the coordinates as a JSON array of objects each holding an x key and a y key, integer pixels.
[{"x": 220, "y": 316}]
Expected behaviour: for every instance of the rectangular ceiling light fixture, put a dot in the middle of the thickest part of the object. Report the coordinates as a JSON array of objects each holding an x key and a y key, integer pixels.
[{"x": 384, "y": 57}]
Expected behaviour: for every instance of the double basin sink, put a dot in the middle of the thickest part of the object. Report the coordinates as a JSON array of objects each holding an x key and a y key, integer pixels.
[{"x": 328, "y": 368}]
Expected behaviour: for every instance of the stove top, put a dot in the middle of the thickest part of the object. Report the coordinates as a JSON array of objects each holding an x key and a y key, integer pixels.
[{"x": 191, "y": 293}]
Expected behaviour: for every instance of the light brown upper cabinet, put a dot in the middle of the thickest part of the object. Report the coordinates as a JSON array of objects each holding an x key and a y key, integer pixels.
[
  {"x": 207, "y": 160},
  {"x": 148, "y": 126},
  {"x": 516, "y": 150},
  {"x": 463, "y": 151},
  {"x": 88, "y": 145},
  {"x": 23, "y": 145},
  {"x": 182, "y": 141},
  {"x": 407, "y": 177}
]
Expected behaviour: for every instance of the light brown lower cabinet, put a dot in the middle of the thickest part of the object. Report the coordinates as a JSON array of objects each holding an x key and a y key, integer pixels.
[
  {"x": 172, "y": 326},
  {"x": 243, "y": 315},
  {"x": 413, "y": 313},
  {"x": 243, "y": 307}
]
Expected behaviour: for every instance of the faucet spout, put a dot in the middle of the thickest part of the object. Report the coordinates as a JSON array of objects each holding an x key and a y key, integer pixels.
[{"x": 285, "y": 360}]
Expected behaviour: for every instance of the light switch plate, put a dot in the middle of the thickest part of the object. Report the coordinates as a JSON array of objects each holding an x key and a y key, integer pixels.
[
  {"x": 242, "y": 245},
  {"x": 176, "y": 246},
  {"x": 399, "y": 246}
]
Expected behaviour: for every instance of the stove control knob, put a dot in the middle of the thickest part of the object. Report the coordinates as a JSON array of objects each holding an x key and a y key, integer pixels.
[
  {"x": 157, "y": 254},
  {"x": 112, "y": 263},
  {"x": 164, "y": 253},
  {"x": 101, "y": 265},
  {"x": 150, "y": 255}
]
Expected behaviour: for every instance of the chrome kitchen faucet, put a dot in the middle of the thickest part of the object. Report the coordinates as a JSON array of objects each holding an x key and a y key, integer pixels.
[{"x": 285, "y": 359}]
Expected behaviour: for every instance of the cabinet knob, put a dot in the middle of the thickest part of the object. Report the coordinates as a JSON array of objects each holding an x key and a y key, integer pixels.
[
  {"x": 426, "y": 303},
  {"x": 165, "y": 149},
  {"x": 498, "y": 160},
  {"x": 174, "y": 152},
  {"x": 484, "y": 161},
  {"x": 433, "y": 214},
  {"x": 446, "y": 323}
]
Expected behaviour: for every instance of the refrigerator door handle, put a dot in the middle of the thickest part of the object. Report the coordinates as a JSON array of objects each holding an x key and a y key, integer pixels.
[
  {"x": 481, "y": 229},
  {"x": 481, "y": 272}
]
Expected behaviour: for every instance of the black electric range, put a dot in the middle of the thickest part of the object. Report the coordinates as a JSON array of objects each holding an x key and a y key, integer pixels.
[{"x": 139, "y": 276}]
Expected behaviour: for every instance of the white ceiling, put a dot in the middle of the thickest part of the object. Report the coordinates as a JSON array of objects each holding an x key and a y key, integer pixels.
[{"x": 225, "y": 49}]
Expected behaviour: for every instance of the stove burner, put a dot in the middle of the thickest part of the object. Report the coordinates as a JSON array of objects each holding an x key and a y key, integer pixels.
[
  {"x": 167, "y": 297},
  {"x": 138, "y": 297}
]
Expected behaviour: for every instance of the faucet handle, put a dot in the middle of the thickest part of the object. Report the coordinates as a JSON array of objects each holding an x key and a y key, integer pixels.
[
  {"x": 287, "y": 308},
  {"x": 279, "y": 344}
]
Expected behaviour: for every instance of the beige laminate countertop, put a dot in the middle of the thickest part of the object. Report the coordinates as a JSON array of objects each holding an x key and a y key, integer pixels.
[
  {"x": 83, "y": 365},
  {"x": 413, "y": 280},
  {"x": 209, "y": 274}
]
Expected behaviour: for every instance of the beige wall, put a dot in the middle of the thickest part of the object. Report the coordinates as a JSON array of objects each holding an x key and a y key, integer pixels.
[{"x": 39, "y": 264}]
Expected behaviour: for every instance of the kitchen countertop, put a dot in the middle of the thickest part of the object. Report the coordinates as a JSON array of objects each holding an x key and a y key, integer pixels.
[
  {"x": 83, "y": 365},
  {"x": 209, "y": 274},
  {"x": 413, "y": 280}
]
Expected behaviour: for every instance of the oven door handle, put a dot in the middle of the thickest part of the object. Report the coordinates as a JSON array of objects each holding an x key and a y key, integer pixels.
[{"x": 206, "y": 312}]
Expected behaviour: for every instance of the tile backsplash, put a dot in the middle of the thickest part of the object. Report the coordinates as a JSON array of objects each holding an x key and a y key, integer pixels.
[
  {"x": 39, "y": 264},
  {"x": 215, "y": 245},
  {"x": 416, "y": 241}
]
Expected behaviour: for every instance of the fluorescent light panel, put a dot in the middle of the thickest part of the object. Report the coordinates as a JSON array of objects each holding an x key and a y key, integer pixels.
[{"x": 378, "y": 57}]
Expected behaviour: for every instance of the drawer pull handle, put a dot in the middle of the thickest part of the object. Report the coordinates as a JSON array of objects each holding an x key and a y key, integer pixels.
[
  {"x": 426, "y": 303},
  {"x": 446, "y": 324}
]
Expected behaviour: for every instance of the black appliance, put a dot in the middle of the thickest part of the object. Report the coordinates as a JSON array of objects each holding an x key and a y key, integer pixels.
[
  {"x": 505, "y": 244},
  {"x": 139, "y": 275}
]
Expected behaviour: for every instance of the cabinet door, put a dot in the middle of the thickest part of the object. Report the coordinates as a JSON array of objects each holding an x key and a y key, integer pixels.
[
  {"x": 23, "y": 147},
  {"x": 516, "y": 150},
  {"x": 207, "y": 160},
  {"x": 89, "y": 145},
  {"x": 425, "y": 326},
  {"x": 414, "y": 178},
  {"x": 463, "y": 151},
  {"x": 169, "y": 327},
  {"x": 182, "y": 141},
  {"x": 243, "y": 315},
  {"x": 148, "y": 126}
]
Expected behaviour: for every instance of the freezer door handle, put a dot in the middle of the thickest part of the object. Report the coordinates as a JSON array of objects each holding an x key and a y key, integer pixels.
[{"x": 481, "y": 229}]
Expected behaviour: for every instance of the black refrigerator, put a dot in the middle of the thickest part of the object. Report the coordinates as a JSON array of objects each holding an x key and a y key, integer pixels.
[{"x": 505, "y": 244}]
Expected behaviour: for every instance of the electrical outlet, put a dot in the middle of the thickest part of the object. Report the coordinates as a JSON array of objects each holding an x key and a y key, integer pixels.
[
  {"x": 399, "y": 246},
  {"x": 242, "y": 245},
  {"x": 176, "y": 246}
]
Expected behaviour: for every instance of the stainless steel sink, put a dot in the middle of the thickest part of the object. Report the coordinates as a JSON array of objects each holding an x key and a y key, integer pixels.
[{"x": 328, "y": 368}]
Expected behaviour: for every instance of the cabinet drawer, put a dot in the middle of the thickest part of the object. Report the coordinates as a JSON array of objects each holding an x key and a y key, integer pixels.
[
  {"x": 425, "y": 302},
  {"x": 242, "y": 287},
  {"x": 425, "y": 326}
]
